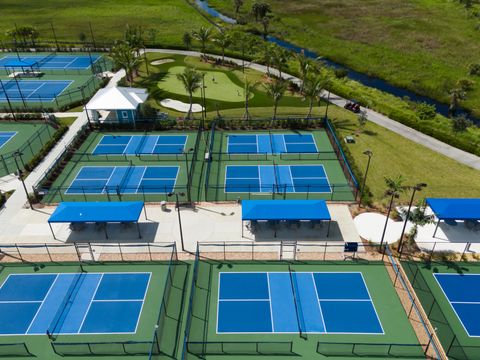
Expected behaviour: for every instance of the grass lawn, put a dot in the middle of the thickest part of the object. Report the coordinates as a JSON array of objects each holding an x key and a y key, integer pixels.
[
  {"x": 423, "y": 45},
  {"x": 67, "y": 121},
  {"x": 108, "y": 18},
  {"x": 395, "y": 155}
]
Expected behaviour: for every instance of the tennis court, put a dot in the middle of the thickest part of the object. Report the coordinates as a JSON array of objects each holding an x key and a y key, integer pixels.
[
  {"x": 141, "y": 144},
  {"x": 271, "y": 143},
  {"x": 53, "y": 61},
  {"x": 281, "y": 302},
  {"x": 6, "y": 136},
  {"x": 32, "y": 90},
  {"x": 463, "y": 294},
  {"x": 276, "y": 178},
  {"x": 95, "y": 180},
  {"x": 72, "y": 303}
]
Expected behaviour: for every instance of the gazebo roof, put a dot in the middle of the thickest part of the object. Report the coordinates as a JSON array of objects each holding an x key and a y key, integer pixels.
[{"x": 117, "y": 98}]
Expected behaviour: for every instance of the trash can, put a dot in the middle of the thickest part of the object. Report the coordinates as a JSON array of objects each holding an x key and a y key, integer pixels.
[{"x": 163, "y": 205}]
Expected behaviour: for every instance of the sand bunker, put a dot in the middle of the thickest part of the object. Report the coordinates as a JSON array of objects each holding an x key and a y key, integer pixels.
[
  {"x": 162, "y": 61},
  {"x": 180, "y": 106}
]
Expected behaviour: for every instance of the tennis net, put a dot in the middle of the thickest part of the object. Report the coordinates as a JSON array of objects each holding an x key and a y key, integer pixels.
[
  {"x": 272, "y": 143},
  {"x": 141, "y": 144},
  {"x": 277, "y": 185},
  {"x": 47, "y": 58},
  {"x": 64, "y": 308},
  {"x": 125, "y": 178},
  {"x": 296, "y": 301}
]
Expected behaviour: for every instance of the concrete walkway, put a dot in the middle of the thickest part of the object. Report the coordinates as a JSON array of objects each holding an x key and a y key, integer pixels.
[
  {"x": 18, "y": 200},
  {"x": 375, "y": 117}
]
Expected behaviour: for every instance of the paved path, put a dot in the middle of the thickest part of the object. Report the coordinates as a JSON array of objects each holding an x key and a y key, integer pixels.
[{"x": 375, "y": 117}]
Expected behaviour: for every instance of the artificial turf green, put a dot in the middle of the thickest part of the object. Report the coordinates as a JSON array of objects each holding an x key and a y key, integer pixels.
[
  {"x": 391, "y": 314},
  {"x": 218, "y": 83}
]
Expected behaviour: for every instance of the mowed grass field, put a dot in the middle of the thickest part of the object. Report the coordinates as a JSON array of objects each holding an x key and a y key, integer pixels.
[
  {"x": 423, "y": 45},
  {"x": 169, "y": 17}
]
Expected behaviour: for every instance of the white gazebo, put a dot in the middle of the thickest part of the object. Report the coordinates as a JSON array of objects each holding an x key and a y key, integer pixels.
[{"x": 116, "y": 104}]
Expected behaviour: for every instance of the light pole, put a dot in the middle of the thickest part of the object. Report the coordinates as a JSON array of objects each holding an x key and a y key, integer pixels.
[
  {"x": 417, "y": 187},
  {"x": 15, "y": 155},
  {"x": 189, "y": 195},
  {"x": 369, "y": 153},
  {"x": 177, "y": 207},
  {"x": 393, "y": 194}
]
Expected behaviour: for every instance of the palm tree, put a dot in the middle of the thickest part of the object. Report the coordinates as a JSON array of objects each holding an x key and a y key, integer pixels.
[
  {"x": 248, "y": 90},
  {"x": 280, "y": 58},
  {"x": 265, "y": 24},
  {"x": 223, "y": 40},
  {"x": 305, "y": 65},
  {"x": 243, "y": 41},
  {"x": 187, "y": 40},
  {"x": 265, "y": 55},
  {"x": 238, "y": 4},
  {"x": 418, "y": 218},
  {"x": 123, "y": 56},
  {"x": 312, "y": 90},
  {"x": 134, "y": 36},
  {"x": 395, "y": 187},
  {"x": 455, "y": 96},
  {"x": 192, "y": 81},
  {"x": 276, "y": 89},
  {"x": 203, "y": 35},
  {"x": 260, "y": 10}
]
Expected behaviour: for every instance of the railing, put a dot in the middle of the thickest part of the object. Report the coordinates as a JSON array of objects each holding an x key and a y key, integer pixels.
[
  {"x": 232, "y": 348},
  {"x": 108, "y": 348},
  {"x": 190, "y": 305},
  {"x": 27, "y": 150},
  {"x": 428, "y": 331},
  {"x": 341, "y": 155},
  {"x": 86, "y": 252},
  {"x": 385, "y": 351},
  {"x": 15, "y": 350}
]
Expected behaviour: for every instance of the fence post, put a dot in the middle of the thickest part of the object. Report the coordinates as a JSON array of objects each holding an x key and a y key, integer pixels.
[
  {"x": 120, "y": 249},
  {"x": 48, "y": 253},
  {"x": 19, "y": 253}
]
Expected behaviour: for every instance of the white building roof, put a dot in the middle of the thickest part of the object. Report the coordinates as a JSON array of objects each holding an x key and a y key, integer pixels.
[{"x": 117, "y": 98}]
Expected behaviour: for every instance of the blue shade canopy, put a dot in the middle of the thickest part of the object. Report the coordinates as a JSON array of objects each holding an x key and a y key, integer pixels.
[
  {"x": 455, "y": 209},
  {"x": 79, "y": 212},
  {"x": 285, "y": 210},
  {"x": 20, "y": 63}
]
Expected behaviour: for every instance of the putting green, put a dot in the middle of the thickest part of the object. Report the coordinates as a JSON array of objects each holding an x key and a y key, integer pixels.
[{"x": 218, "y": 85}]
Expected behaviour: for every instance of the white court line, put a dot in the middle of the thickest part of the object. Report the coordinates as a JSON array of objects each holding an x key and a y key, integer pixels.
[
  {"x": 270, "y": 301},
  {"x": 141, "y": 179},
  {"x": 143, "y": 300},
  {"x": 20, "y": 301},
  {"x": 126, "y": 146},
  {"x": 90, "y": 304},
  {"x": 10, "y": 138},
  {"x": 373, "y": 305},
  {"x": 41, "y": 306},
  {"x": 34, "y": 91},
  {"x": 319, "y": 305},
  {"x": 68, "y": 65}
]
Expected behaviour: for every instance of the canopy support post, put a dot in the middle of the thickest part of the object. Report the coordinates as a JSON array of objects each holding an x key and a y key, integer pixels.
[
  {"x": 436, "y": 228},
  {"x": 106, "y": 233},
  {"x": 328, "y": 229},
  {"x": 242, "y": 228},
  {"x": 138, "y": 229},
  {"x": 51, "y": 229}
]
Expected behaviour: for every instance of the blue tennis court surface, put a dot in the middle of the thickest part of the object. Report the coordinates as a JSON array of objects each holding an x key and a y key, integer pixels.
[
  {"x": 72, "y": 303},
  {"x": 282, "y": 302},
  {"x": 271, "y": 144},
  {"x": 95, "y": 180},
  {"x": 6, "y": 136},
  {"x": 463, "y": 293},
  {"x": 276, "y": 178},
  {"x": 141, "y": 144},
  {"x": 74, "y": 62},
  {"x": 32, "y": 90}
]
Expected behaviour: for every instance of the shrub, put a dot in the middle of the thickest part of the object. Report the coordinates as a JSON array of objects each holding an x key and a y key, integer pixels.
[
  {"x": 474, "y": 69},
  {"x": 425, "y": 111}
]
